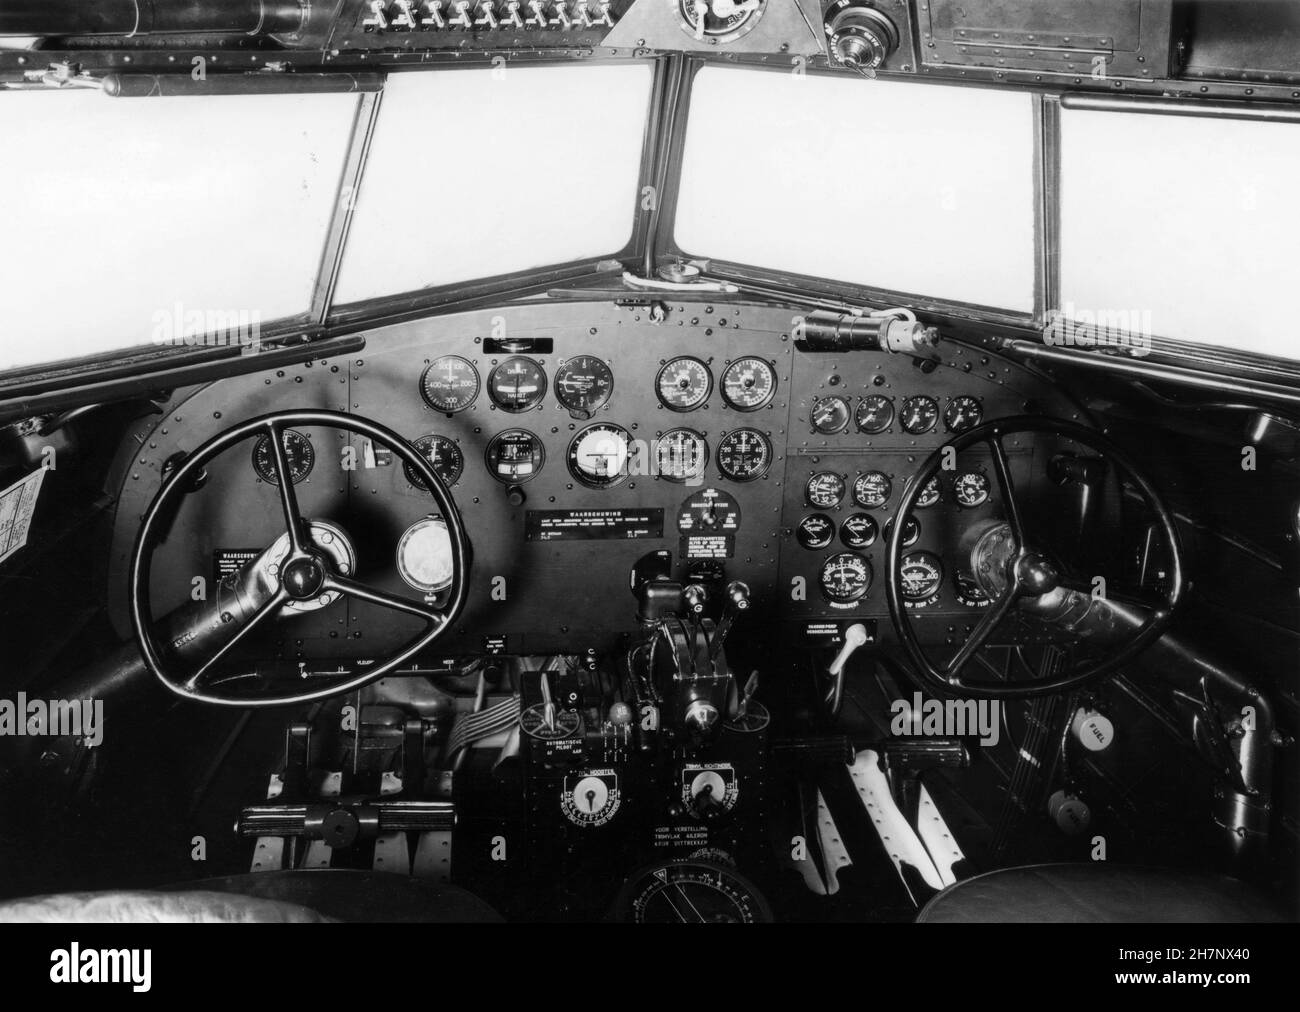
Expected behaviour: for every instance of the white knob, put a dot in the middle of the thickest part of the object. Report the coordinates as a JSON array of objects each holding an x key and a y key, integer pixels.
[{"x": 854, "y": 637}]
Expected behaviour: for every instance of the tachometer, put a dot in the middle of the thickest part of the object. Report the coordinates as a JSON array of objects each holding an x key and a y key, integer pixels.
[
  {"x": 298, "y": 450},
  {"x": 829, "y": 415},
  {"x": 920, "y": 414},
  {"x": 681, "y": 455},
  {"x": 874, "y": 414},
  {"x": 449, "y": 384},
  {"x": 858, "y": 530},
  {"x": 962, "y": 413},
  {"x": 517, "y": 384},
  {"x": 845, "y": 577},
  {"x": 514, "y": 456},
  {"x": 684, "y": 384},
  {"x": 872, "y": 489},
  {"x": 599, "y": 455},
  {"x": 744, "y": 455},
  {"x": 584, "y": 384},
  {"x": 971, "y": 489},
  {"x": 825, "y": 490},
  {"x": 921, "y": 574},
  {"x": 748, "y": 383},
  {"x": 444, "y": 456}
]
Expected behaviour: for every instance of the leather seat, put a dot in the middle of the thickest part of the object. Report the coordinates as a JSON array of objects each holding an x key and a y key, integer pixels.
[
  {"x": 1098, "y": 893},
  {"x": 279, "y": 897}
]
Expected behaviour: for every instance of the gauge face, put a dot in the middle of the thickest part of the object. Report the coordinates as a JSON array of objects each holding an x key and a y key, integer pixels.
[
  {"x": 684, "y": 384},
  {"x": 845, "y": 577},
  {"x": 911, "y": 531},
  {"x": 859, "y": 530},
  {"x": 691, "y": 892},
  {"x": 962, "y": 413},
  {"x": 583, "y": 384},
  {"x": 599, "y": 455},
  {"x": 720, "y": 20},
  {"x": 565, "y": 723},
  {"x": 929, "y": 494},
  {"x": 872, "y": 490},
  {"x": 815, "y": 531},
  {"x": 590, "y": 798},
  {"x": 424, "y": 556},
  {"x": 298, "y": 450},
  {"x": 825, "y": 490},
  {"x": 744, "y": 455},
  {"x": 829, "y": 415},
  {"x": 450, "y": 384},
  {"x": 968, "y": 591},
  {"x": 920, "y": 414},
  {"x": 748, "y": 383},
  {"x": 514, "y": 456},
  {"x": 874, "y": 414},
  {"x": 971, "y": 489},
  {"x": 920, "y": 574},
  {"x": 517, "y": 384},
  {"x": 681, "y": 455},
  {"x": 444, "y": 456}
]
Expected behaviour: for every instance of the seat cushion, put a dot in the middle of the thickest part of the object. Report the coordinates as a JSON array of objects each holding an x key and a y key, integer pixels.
[
  {"x": 148, "y": 907},
  {"x": 1098, "y": 893}
]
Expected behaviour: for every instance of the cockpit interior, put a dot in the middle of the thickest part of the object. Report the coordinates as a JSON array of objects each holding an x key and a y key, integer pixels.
[{"x": 676, "y": 461}]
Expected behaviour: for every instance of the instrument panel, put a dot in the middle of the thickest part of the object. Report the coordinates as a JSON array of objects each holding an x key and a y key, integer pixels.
[{"x": 588, "y": 436}]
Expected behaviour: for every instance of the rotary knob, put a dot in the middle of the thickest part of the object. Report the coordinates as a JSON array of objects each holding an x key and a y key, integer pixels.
[{"x": 860, "y": 37}]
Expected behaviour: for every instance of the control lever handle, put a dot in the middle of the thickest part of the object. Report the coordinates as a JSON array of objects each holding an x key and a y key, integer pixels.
[
  {"x": 737, "y": 601},
  {"x": 855, "y": 636}
]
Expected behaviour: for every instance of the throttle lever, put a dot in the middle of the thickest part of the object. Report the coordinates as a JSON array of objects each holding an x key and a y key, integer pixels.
[
  {"x": 737, "y": 601},
  {"x": 854, "y": 637}
]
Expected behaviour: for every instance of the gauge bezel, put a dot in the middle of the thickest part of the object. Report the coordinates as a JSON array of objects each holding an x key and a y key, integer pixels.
[
  {"x": 580, "y": 476},
  {"x": 582, "y": 410},
  {"x": 708, "y": 384},
  {"x": 532, "y": 405},
  {"x": 956, "y": 489},
  {"x": 424, "y": 384},
  {"x": 264, "y": 471},
  {"x": 857, "y": 595},
  {"x": 826, "y": 398},
  {"x": 893, "y": 414},
  {"x": 889, "y": 490},
  {"x": 495, "y": 441},
  {"x": 799, "y": 532},
  {"x": 853, "y": 545},
  {"x": 934, "y": 424},
  {"x": 763, "y": 437},
  {"x": 979, "y": 412},
  {"x": 839, "y": 499},
  {"x": 700, "y": 440},
  {"x": 415, "y": 481},
  {"x": 936, "y": 563},
  {"x": 736, "y": 363}
]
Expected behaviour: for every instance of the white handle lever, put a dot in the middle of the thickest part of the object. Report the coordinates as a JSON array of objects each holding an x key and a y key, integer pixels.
[{"x": 854, "y": 637}]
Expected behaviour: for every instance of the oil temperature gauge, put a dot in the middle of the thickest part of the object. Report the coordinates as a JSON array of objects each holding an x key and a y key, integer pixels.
[
  {"x": 583, "y": 384},
  {"x": 829, "y": 415},
  {"x": 971, "y": 489},
  {"x": 845, "y": 578},
  {"x": 297, "y": 449},
  {"x": 825, "y": 490},
  {"x": 872, "y": 489},
  {"x": 748, "y": 383},
  {"x": 684, "y": 384},
  {"x": 590, "y": 798},
  {"x": 921, "y": 574}
]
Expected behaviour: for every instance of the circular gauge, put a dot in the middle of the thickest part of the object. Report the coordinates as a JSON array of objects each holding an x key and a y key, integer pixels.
[
  {"x": 969, "y": 591},
  {"x": 911, "y": 531},
  {"x": 444, "y": 456},
  {"x": 424, "y": 556},
  {"x": 829, "y": 415},
  {"x": 690, "y": 892},
  {"x": 744, "y": 455},
  {"x": 583, "y": 384},
  {"x": 564, "y": 724},
  {"x": 681, "y": 455},
  {"x": 858, "y": 530},
  {"x": 845, "y": 577},
  {"x": 874, "y": 414},
  {"x": 517, "y": 384},
  {"x": 872, "y": 489},
  {"x": 449, "y": 384},
  {"x": 825, "y": 490},
  {"x": 590, "y": 798},
  {"x": 719, "y": 21},
  {"x": 684, "y": 384},
  {"x": 514, "y": 456},
  {"x": 815, "y": 531},
  {"x": 920, "y": 414},
  {"x": 599, "y": 455},
  {"x": 963, "y": 413},
  {"x": 929, "y": 494},
  {"x": 971, "y": 489},
  {"x": 710, "y": 511},
  {"x": 921, "y": 573},
  {"x": 298, "y": 450},
  {"x": 748, "y": 383}
]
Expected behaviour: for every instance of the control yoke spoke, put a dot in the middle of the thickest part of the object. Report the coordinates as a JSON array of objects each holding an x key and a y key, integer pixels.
[
  {"x": 288, "y": 494},
  {"x": 983, "y": 630},
  {"x": 270, "y": 609},
  {"x": 382, "y": 598},
  {"x": 1012, "y": 505}
]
